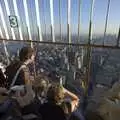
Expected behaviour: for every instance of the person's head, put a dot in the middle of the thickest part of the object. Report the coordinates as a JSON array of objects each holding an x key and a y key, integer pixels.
[
  {"x": 27, "y": 54},
  {"x": 55, "y": 93},
  {"x": 41, "y": 84}
]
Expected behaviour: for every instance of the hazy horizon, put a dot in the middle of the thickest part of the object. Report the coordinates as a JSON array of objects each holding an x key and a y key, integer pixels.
[{"x": 99, "y": 16}]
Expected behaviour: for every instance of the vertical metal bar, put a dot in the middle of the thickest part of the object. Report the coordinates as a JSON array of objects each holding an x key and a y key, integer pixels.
[
  {"x": 27, "y": 33},
  {"x": 79, "y": 18},
  {"x": 52, "y": 21},
  {"x": 27, "y": 21},
  {"x": 8, "y": 13},
  {"x": 90, "y": 24},
  {"x": 68, "y": 23},
  {"x": 106, "y": 21},
  {"x": 38, "y": 33},
  {"x": 6, "y": 52},
  {"x": 60, "y": 20},
  {"x": 89, "y": 50},
  {"x": 82, "y": 55},
  {"x": 44, "y": 7},
  {"x": 3, "y": 22},
  {"x": 38, "y": 19},
  {"x": 18, "y": 17},
  {"x": 118, "y": 39},
  {"x": 6, "y": 33},
  {"x": 5, "y": 48}
]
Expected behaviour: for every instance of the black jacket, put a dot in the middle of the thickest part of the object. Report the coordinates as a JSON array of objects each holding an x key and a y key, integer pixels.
[
  {"x": 11, "y": 71},
  {"x": 51, "y": 111}
]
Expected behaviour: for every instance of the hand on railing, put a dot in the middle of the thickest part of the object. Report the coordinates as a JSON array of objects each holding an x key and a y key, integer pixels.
[{"x": 73, "y": 97}]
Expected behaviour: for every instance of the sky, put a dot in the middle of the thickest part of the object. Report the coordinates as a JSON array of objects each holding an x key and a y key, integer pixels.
[{"x": 98, "y": 20}]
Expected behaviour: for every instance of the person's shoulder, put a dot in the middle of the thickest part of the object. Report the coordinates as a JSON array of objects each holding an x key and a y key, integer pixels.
[
  {"x": 57, "y": 109},
  {"x": 43, "y": 107},
  {"x": 49, "y": 106},
  {"x": 14, "y": 63},
  {"x": 13, "y": 66},
  {"x": 25, "y": 69}
]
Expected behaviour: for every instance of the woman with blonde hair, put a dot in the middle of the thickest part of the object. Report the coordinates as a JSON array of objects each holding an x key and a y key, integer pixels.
[
  {"x": 51, "y": 109},
  {"x": 56, "y": 96}
]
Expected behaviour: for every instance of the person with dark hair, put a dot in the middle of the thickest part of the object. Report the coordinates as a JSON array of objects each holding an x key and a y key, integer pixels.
[
  {"x": 19, "y": 69},
  {"x": 26, "y": 53}
]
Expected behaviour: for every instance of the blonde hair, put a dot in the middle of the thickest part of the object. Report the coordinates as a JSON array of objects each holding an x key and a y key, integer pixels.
[
  {"x": 41, "y": 84},
  {"x": 55, "y": 93},
  {"x": 40, "y": 80}
]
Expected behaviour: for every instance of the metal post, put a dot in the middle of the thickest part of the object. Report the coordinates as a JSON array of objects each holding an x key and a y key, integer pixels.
[
  {"x": 44, "y": 7},
  {"x": 5, "y": 47},
  {"x": 38, "y": 32},
  {"x": 106, "y": 21},
  {"x": 6, "y": 33},
  {"x": 18, "y": 17},
  {"x": 8, "y": 13},
  {"x": 79, "y": 18},
  {"x": 3, "y": 22},
  {"x": 27, "y": 33},
  {"x": 118, "y": 39},
  {"x": 89, "y": 50},
  {"x": 52, "y": 20},
  {"x": 60, "y": 20},
  {"x": 68, "y": 23},
  {"x": 27, "y": 21},
  {"x": 90, "y": 24},
  {"x": 38, "y": 19}
]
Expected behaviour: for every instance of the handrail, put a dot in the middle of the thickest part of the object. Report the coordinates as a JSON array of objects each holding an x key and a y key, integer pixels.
[{"x": 64, "y": 43}]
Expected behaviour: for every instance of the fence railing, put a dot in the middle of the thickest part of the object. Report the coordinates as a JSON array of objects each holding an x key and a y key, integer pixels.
[{"x": 16, "y": 20}]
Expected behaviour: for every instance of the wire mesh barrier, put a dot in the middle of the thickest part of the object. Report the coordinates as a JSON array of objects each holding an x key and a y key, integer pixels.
[
  {"x": 22, "y": 27},
  {"x": 68, "y": 49},
  {"x": 72, "y": 61},
  {"x": 67, "y": 65},
  {"x": 75, "y": 58},
  {"x": 37, "y": 20}
]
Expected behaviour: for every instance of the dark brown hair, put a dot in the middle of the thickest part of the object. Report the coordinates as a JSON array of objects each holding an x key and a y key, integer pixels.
[{"x": 26, "y": 53}]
